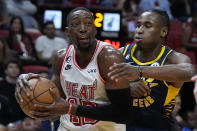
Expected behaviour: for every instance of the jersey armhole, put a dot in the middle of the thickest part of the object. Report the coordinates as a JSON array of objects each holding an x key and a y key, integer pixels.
[{"x": 64, "y": 60}]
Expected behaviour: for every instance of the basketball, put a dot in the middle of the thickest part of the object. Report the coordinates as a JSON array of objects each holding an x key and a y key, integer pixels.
[{"x": 40, "y": 94}]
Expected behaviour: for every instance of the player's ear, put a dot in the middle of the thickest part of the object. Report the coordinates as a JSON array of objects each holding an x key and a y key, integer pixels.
[{"x": 164, "y": 32}]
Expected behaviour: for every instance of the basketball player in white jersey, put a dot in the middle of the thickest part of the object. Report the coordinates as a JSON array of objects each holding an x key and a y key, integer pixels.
[{"x": 81, "y": 73}]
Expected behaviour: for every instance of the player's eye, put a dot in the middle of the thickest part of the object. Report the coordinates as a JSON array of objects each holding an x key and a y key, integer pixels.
[
  {"x": 138, "y": 25},
  {"x": 148, "y": 25}
]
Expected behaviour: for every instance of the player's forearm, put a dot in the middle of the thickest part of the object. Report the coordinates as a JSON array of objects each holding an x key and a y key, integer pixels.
[
  {"x": 118, "y": 111},
  {"x": 171, "y": 73}
]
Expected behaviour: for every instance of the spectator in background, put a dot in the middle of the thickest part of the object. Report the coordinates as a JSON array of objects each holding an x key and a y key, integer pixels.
[
  {"x": 191, "y": 122},
  {"x": 13, "y": 127},
  {"x": 4, "y": 111},
  {"x": 4, "y": 17},
  {"x": 25, "y": 9},
  {"x": 7, "y": 89},
  {"x": 51, "y": 1},
  {"x": 20, "y": 41},
  {"x": 108, "y": 3},
  {"x": 180, "y": 9},
  {"x": 131, "y": 9},
  {"x": 5, "y": 54},
  {"x": 189, "y": 39},
  {"x": 82, "y": 2},
  {"x": 28, "y": 124},
  {"x": 175, "y": 113},
  {"x": 130, "y": 12},
  {"x": 156, "y": 4},
  {"x": 49, "y": 43}
]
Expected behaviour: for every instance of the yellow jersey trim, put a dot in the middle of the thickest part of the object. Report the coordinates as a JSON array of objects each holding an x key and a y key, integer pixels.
[
  {"x": 165, "y": 57},
  {"x": 171, "y": 94},
  {"x": 125, "y": 50},
  {"x": 146, "y": 63}
]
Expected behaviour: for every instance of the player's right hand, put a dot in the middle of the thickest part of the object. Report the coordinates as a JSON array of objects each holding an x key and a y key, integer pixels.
[
  {"x": 139, "y": 89},
  {"x": 22, "y": 84}
]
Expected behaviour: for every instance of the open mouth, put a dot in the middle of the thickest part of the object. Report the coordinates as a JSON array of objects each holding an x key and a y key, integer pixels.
[
  {"x": 138, "y": 39},
  {"x": 84, "y": 39}
]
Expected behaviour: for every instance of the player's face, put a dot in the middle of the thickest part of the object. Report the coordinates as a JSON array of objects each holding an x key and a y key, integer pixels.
[
  {"x": 148, "y": 30},
  {"x": 81, "y": 29}
]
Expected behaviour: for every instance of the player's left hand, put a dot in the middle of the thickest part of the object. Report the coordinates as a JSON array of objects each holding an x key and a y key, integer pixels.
[
  {"x": 123, "y": 71},
  {"x": 56, "y": 109}
]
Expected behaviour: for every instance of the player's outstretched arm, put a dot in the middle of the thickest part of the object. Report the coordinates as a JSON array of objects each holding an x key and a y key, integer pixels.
[{"x": 177, "y": 69}]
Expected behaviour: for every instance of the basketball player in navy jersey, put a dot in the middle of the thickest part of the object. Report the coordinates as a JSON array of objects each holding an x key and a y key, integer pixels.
[
  {"x": 160, "y": 68},
  {"x": 149, "y": 38}
]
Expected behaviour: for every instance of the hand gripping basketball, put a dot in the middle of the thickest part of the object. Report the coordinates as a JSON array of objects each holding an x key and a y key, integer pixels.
[{"x": 54, "y": 110}]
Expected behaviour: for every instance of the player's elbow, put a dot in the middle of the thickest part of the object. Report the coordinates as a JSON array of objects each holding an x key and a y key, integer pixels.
[{"x": 189, "y": 70}]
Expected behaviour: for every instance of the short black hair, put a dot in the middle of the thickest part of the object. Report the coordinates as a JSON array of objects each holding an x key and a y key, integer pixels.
[
  {"x": 76, "y": 9},
  {"x": 164, "y": 19},
  {"x": 12, "y": 60},
  {"x": 47, "y": 23}
]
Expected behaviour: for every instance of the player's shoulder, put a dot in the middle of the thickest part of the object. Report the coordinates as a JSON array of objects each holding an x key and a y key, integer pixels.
[
  {"x": 109, "y": 50},
  {"x": 42, "y": 37},
  {"x": 61, "y": 53},
  {"x": 57, "y": 61},
  {"x": 177, "y": 57},
  {"x": 110, "y": 55}
]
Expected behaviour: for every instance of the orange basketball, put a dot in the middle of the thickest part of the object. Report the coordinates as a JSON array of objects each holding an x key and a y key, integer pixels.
[{"x": 39, "y": 95}]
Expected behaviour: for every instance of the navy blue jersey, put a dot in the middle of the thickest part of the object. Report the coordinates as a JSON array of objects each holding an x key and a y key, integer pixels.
[{"x": 155, "y": 109}]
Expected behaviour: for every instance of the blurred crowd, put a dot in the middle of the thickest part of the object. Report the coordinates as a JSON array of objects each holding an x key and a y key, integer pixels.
[{"x": 26, "y": 45}]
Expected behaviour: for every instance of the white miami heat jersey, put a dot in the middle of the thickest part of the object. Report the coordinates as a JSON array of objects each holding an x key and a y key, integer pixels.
[{"x": 84, "y": 87}]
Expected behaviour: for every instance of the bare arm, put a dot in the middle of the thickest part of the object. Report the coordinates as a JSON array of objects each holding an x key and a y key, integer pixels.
[
  {"x": 57, "y": 61},
  {"x": 177, "y": 69},
  {"x": 109, "y": 56}
]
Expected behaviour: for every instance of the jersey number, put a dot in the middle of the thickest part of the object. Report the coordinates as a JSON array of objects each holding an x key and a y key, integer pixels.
[{"x": 79, "y": 121}]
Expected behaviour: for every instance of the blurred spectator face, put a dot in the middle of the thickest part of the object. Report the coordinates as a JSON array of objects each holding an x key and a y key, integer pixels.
[
  {"x": 192, "y": 120},
  {"x": 12, "y": 70},
  {"x": 28, "y": 124},
  {"x": 16, "y": 26},
  {"x": 50, "y": 31},
  {"x": 12, "y": 127},
  {"x": 177, "y": 106}
]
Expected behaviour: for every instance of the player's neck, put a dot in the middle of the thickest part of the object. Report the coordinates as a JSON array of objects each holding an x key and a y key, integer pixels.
[
  {"x": 84, "y": 57},
  {"x": 147, "y": 54}
]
